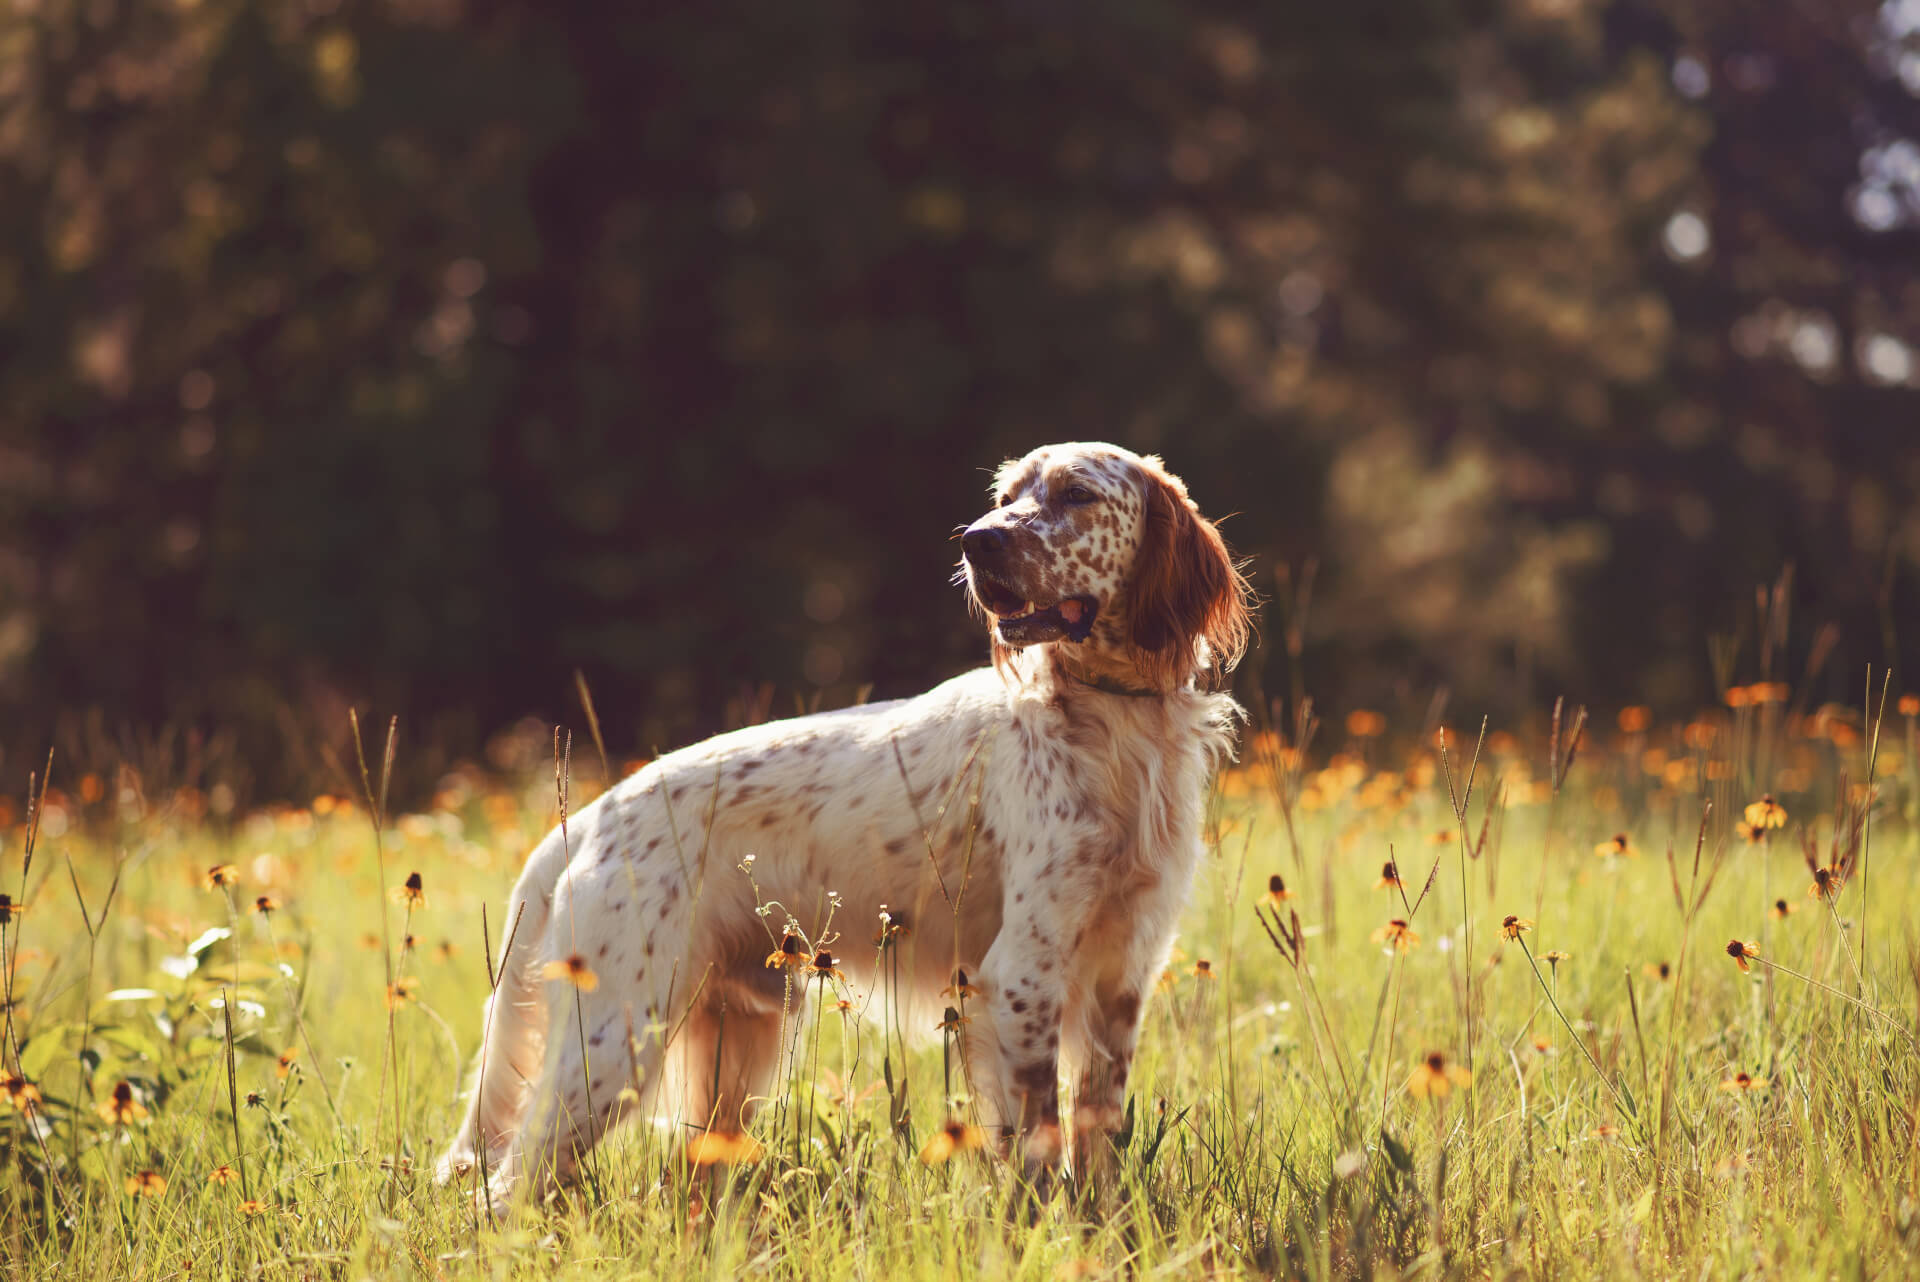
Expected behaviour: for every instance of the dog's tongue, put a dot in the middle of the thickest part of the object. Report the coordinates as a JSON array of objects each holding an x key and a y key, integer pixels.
[{"x": 1071, "y": 610}]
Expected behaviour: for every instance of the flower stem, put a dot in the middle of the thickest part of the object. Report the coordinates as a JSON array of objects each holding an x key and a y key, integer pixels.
[{"x": 1622, "y": 1102}]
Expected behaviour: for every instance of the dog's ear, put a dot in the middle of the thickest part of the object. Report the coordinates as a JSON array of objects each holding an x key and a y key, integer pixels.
[{"x": 1185, "y": 589}]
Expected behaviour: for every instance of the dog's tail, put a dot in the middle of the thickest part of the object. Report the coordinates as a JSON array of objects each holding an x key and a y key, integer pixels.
[{"x": 513, "y": 1043}]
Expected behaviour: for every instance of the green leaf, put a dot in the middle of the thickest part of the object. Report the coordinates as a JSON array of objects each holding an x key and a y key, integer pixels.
[
  {"x": 1396, "y": 1153},
  {"x": 40, "y": 1051},
  {"x": 134, "y": 1043}
]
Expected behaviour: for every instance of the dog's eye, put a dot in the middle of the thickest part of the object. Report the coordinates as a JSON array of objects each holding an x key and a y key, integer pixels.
[
  {"x": 1080, "y": 494},
  {"x": 1004, "y": 499}
]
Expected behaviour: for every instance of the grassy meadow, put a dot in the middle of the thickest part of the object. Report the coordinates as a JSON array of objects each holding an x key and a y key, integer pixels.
[{"x": 234, "y": 1041}]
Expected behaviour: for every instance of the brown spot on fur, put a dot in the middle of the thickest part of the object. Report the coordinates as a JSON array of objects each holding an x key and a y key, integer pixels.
[{"x": 1035, "y": 1077}]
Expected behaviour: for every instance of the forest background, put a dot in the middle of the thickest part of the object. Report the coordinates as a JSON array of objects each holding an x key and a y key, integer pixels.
[{"x": 415, "y": 355}]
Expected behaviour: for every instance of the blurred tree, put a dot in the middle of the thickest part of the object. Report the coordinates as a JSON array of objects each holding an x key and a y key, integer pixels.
[{"x": 421, "y": 351}]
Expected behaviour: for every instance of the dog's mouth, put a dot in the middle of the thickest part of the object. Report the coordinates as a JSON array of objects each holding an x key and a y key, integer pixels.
[{"x": 1019, "y": 621}]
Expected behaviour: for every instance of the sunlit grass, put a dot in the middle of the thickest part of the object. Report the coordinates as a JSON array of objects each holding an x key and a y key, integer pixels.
[{"x": 1554, "y": 1067}]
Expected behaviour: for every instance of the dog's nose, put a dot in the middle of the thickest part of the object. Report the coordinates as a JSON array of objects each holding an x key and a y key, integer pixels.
[{"x": 983, "y": 542}]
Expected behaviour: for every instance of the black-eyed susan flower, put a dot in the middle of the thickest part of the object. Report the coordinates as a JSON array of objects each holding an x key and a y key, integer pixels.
[
  {"x": 121, "y": 1107},
  {"x": 445, "y": 950},
  {"x": 1781, "y": 908},
  {"x": 147, "y": 1184},
  {"x": 1909, "y": 705},
  {"x": 285, "y": 1064},
  {"x": 1364, "y": 723},
  {"x": 1614, "y": 846},
  {"x": 1277, "y": 892},
  {"x": 1741, "y": 951},
  {"x": 1743, "y": 1082},
  {"x": 1766, "y": 813},
  {"x": 1389, "y": 877},
  {"x": 21, "y": 1093},
  {"x": 266, "y": 905},
  {"x": 412, "y": 892},
  {"x": 370, "y": 941},
  {"x": 961, "y": 988},
  {"x": 951, "y": 1021},
  {"x": 953, "y": 1138},
  {"x": 409, "y": 942},
  {"x": 1826, "y": 883},
  {"x": 722, "y": 1148},
  {"x": 790, "y": 955},
  {"x": 1398, "y": 935},
  {"x": 222, "y": 1174},
  {"x": 256, "y": 1100},
  {"x": 1662, "y": 971},
  {"x": 1435, "y": 1078},
  {"x": 893, "y": 927},
  {"x": 824, "y": 966},
  {"x": 219, "y": 876},
  {"x": 252, "y": 1207},
  {"x": 9, "y": 910},
  {"x": 1635, "y": 719},
  {"x": 1202, "y": 968},
  {"x": 574, "y": 970},
  {"x": 1553, "y": 957},
  {"x": 1512, "y": 927},
  {"x": 1752, "y": 834},
  {"x": 401, "y": 991},
  {"x": 1605, "y": 1131}
]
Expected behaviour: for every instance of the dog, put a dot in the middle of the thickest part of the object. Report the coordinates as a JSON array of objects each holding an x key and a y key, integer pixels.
[{"x": 1019, "y": 841}]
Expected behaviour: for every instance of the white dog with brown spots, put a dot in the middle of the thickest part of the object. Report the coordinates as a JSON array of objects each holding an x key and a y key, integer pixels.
[{"x": 1035, "y": 824}]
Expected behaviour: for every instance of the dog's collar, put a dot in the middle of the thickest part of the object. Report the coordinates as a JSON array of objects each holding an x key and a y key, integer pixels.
[{"x": 1107, "y": 686}]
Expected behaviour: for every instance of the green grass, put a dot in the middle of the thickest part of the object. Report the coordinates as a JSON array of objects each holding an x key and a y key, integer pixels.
[{"x": 1273, "y": 1129}]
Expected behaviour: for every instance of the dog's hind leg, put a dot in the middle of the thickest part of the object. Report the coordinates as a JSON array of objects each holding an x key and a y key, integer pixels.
[
  {"x": 728, "y": 1062},
  {"x": 605, "y": 1061},
  {"x": 515, "y": 1024}
]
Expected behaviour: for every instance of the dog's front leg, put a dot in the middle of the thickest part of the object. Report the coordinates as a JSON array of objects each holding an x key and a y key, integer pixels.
[{"x": 1014, "y": 1030}]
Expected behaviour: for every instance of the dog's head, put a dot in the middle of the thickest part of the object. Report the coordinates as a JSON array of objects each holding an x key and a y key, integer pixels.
[{"x": 1096, "y": 548}]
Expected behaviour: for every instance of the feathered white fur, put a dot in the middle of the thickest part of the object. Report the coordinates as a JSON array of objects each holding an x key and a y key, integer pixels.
[{"x": 1035, "y": 825}]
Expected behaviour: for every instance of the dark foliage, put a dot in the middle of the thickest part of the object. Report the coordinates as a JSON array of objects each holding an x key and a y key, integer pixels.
[{"x": 417, "y": 353}]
